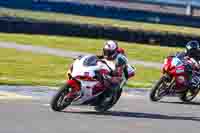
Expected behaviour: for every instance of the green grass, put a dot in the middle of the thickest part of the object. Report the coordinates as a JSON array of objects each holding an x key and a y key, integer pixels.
[
  {"x": 24, "y": 68},
  {"x": 134, "y": 51},
  {"x": 31, "y": 69},
  {"x": 58, "y": 17},
  {"x": 145, "y": 77}
]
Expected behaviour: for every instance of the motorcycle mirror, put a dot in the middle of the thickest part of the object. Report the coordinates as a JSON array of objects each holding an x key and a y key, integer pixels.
[{"x": 78, "y": 57}]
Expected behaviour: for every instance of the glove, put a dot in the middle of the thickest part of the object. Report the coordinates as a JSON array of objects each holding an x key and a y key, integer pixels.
[{"x": 100, "y": 56}]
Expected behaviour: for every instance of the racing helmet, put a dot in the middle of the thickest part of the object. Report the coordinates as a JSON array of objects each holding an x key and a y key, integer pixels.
[
  {"x": 110, "y": 49},
  {"x": 192, "y": 47}
]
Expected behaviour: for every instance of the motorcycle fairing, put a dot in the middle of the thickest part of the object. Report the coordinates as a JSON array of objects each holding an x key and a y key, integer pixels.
[{"x": 84, "y": 71}]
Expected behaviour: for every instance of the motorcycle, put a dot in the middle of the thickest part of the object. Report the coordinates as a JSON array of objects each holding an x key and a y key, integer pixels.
[
  {"x": 86, "y": 85},
  {"x": 174, "y": 80}
]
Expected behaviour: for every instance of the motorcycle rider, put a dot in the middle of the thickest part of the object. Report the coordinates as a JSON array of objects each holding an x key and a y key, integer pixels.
[
  {"x": 112, "y": 52},
  {"x": 192, "y": 53}
]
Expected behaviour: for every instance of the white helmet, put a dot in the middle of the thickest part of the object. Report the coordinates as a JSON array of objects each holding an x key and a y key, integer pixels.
[{"x": 110, "y": 49}]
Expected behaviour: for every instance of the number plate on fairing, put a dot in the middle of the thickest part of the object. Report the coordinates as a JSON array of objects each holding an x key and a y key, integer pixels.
[{"x": 179, "y": 70}]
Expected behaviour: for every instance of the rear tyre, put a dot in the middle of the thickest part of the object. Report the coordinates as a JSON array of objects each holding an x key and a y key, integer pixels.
[
  {"x": 189, "y": 95},
  {"x": 110, "y": 98},
  {"x": 59, "y": 101},
  {"x": 158, "y": 89}
]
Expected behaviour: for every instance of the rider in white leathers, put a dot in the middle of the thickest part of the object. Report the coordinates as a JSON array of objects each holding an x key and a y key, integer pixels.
[{"x": 123, "y": 70}]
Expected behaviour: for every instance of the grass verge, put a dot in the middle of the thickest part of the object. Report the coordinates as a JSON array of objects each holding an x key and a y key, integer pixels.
[
  {"x": 133, "y": 50},
  {"x": 30, "y": 69},
  {"x": 58, "y": 17},
  {"x": 24, "y": 68}
]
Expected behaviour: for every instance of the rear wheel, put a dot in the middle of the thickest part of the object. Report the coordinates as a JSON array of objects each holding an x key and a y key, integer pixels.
[
  {"x": 158, "y": 90},
  {"x": 189, "y": 95},
  {"x": 109, "y": 99},
  {"x": 60, "y": 101}
]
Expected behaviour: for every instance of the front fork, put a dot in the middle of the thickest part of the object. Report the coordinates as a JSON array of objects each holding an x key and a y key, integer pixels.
[{"x": 169, "y": 83}]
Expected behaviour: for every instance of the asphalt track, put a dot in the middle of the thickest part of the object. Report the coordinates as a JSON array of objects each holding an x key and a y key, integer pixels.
[{"x": 133, "y": 114}]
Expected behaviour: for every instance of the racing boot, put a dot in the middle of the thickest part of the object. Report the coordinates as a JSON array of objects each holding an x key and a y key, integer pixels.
[{"x": 194, "y": 85}]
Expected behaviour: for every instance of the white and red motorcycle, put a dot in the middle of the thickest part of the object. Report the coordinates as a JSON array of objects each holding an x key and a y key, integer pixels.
[{"x": 85, "y": 85}]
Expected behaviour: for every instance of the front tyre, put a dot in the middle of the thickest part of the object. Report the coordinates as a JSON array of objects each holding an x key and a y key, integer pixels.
[
  {"x": 59, "y": 101},
  {"x": 158, "y": 90}
]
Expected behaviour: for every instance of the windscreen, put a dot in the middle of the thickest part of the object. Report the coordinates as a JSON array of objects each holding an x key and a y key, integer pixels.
[
  {"x": 90, "y": 61},
  {"x": 176, "y": 62}
]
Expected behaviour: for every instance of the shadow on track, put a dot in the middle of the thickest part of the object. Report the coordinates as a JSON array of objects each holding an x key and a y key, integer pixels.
[
  {"x": 137, "y": 115},
  {"x": 186, "y": 103}
]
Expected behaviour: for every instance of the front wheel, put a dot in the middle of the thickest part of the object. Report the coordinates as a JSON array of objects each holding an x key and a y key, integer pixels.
[
  {"x": 189, "y": 95},
  {"x": 60, "y": 101},
  {"x": 158, "y": 90}
]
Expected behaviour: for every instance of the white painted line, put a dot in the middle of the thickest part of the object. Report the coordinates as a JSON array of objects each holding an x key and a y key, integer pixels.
[
  {"x": 73, "y": 108},
  {"x": 47, "y": 105},
  {"x": 9, "y": 95}
]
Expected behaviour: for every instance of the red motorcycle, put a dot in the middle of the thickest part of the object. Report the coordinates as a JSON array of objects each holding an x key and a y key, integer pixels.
[{"x": 174, "y": 80}]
